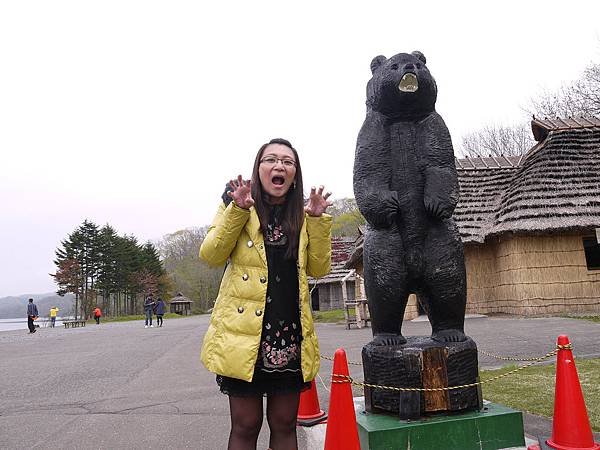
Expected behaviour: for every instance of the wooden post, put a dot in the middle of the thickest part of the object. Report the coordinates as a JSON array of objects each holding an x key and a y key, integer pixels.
[{"x": 435, "y": 375}]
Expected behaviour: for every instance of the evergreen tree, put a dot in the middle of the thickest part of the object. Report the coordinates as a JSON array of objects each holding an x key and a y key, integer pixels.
[
  {"x": 107, "y": 269},
  {"x": 92, "y": 260}
]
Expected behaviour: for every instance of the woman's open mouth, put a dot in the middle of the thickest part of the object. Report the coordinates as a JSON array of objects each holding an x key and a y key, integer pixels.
[
  {"x": 278, "y": 181},
  {"x": 409, "y": 83}
]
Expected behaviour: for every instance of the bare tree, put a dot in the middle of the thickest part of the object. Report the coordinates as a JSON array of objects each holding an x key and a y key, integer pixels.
[
  {"x": 188, "y": 273},
  {"x": 497, "y": 140},
  {"x": 181, "y": 244},
  {"x": 580, "y": 98},
  {"x": 342, "y": 206}
]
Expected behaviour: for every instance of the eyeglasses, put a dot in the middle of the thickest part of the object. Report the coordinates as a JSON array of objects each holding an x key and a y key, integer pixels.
[{"x": 272, "y": 160}]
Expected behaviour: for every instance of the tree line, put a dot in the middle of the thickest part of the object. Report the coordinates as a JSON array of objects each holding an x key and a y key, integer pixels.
[
  {"x": 200, "y": 282},
  {"x": 187, "y": 272},
  {"x": 116, "y": 272},
  {"x": 580, "y": 98},
  {"x": 102, "y": 268}
]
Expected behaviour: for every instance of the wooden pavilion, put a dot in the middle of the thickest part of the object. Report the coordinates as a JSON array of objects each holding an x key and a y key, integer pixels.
[{"x": 180, "y": 304}]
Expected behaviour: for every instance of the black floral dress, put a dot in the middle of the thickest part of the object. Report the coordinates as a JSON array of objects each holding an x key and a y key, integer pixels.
[{"x": 277, "y": 368}]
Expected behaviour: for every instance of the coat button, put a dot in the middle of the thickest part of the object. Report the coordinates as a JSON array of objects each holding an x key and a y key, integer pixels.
[
  {"x": 263, "y": 279},
  {"x": 245, "y": 277},
  {"x": 250, "y": 243},
  {"x": 258, "y": 312},
  {"x": 240, "y": 309}
]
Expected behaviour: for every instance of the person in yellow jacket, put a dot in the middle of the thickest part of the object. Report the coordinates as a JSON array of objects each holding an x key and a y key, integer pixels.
[
  {"x": 261, "y": 339},
  {"x": 53, "y": 311}
]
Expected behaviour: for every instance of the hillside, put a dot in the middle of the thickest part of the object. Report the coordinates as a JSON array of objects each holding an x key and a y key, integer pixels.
[{"x": 16, "y": 306}]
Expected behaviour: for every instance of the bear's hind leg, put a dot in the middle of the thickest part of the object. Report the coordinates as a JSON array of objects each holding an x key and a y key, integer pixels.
[
  {"x": 385, "y": 285},
  {"x": 446, "y": 314},
  {"x": 445, "y": 292}
]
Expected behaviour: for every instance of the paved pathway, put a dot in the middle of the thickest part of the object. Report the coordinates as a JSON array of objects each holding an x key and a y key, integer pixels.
[{"x": 119, "y": 385}]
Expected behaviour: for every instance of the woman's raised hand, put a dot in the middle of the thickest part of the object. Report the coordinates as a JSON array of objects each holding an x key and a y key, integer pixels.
[
  {"x": 317, "y": 202},
  {"x": 241, "y": 192}
]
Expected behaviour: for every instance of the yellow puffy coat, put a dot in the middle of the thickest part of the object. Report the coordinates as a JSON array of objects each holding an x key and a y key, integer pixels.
[{"x": 232, "y": 340}]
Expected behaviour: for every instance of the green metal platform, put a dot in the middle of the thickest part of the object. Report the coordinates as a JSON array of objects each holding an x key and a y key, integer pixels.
[{"x": 495, "y": 427}]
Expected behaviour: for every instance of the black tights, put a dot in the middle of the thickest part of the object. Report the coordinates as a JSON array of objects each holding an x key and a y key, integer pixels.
[
  {"x": 159, "y": 320},
  {"x": 247, "y": 417}
]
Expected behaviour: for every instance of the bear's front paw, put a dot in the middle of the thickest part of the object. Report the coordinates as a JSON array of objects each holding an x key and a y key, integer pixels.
[
  {"x": 388, "y": 339},
  {"x": 434, "y": 207},
  {"x": 388, "y": 208},
  {"x": 451, "y": 335}
]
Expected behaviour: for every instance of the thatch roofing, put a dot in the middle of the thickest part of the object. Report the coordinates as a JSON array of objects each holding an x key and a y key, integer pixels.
[
  {"x": 180, "y": 298},
  {"x": 554, "y": 187},
  {"x": 480, "y": 191},
  {"x": 491, "y": 162},
  {"x": 541, "y": 127},
  {"x": 341, "y": 250}
]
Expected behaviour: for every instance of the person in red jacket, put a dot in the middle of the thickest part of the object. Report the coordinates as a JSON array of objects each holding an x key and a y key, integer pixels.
[{"x": 97, "y": 315}]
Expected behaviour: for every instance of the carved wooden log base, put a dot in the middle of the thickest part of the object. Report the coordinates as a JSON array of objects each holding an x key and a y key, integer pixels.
[{"x": 421, "y": 363}]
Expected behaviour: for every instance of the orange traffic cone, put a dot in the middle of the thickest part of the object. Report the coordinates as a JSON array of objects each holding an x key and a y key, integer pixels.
[
  {"x": 570, "y": 425},
  {"x": 309, "y": 411},
  {"x": 342, "y": 431}
]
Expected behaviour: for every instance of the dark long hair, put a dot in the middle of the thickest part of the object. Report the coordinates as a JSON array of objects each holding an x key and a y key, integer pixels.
[{"x": 293, "y": 213}]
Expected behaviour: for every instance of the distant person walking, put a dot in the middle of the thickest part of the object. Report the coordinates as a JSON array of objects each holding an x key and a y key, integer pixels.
[
  {"x": 32, "y": 314},
  {"x": 148, "y": 308},
  {"x": 159, "y": 310},
  {"x": 97, "y": 314},
  {"x": 53, "y": 311}
]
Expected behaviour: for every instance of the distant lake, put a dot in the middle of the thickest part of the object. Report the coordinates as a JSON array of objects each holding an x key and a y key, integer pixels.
[{"x": 21, "y": 324}]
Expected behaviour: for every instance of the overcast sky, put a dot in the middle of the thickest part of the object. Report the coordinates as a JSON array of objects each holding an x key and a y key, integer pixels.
[{"x": 135, "y": 113}]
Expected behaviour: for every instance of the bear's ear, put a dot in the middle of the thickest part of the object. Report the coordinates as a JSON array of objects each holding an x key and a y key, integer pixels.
[
  {"x": 420, "y": 55},
  {"x": 377, "y": 62}
]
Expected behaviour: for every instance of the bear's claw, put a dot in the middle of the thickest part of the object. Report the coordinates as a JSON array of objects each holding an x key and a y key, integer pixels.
[
  {"x": 388, "y": 339},
  {"x": 449, "y": 336}
]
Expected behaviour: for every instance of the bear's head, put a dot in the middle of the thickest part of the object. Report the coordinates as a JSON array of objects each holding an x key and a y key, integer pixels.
[{"x": 401, "y": 86}]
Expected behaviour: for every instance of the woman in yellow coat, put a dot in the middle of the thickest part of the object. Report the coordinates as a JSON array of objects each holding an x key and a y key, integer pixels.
[{"x": 261, "y": 339}]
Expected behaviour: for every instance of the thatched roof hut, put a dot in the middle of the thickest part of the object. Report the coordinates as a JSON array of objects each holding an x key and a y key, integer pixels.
[
  {"x": 327, "y": 291},
  {"x": 341, "y": 249},
  {"x": 554, "y": 187}
]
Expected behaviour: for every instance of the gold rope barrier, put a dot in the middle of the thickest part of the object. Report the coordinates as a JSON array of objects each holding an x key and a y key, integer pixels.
[{"x": 337, "y": 378}]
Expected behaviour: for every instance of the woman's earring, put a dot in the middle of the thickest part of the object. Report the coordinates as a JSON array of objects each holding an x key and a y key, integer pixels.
[{"x": 294, "y": 185}]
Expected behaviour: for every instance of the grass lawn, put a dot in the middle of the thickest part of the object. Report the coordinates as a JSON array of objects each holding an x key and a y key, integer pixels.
[
  {"x": 590, "y": 318},
  {"x": 532, "y": 389},
  {"x": 334, "y": 315},
  {"x": 134, "y": 317}
]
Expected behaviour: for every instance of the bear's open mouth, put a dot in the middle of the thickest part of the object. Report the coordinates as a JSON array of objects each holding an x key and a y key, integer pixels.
[
  {"x": 409, "y": 83},
  {"x": 278, "y": 180}
]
